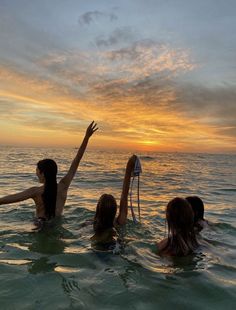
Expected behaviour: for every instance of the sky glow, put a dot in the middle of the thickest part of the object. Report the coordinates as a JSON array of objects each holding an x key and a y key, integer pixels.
[{"x": 156, "y": 75}]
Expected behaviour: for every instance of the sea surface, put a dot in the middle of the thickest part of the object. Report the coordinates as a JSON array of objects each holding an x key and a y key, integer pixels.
[{"x": 57, "y": 268}]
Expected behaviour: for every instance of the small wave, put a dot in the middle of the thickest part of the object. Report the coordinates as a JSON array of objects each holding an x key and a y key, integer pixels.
[
  {"x": 227, "y": 189},
  {"x": 147, "y": 158},
  {"x": 70, "y": 285},
  {"x": 89, "y": 164},
  {"x": 224, "y": 226}
]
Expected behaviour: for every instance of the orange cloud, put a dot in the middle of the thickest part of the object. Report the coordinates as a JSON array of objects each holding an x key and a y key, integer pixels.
[{"x": 130, "y": 92}]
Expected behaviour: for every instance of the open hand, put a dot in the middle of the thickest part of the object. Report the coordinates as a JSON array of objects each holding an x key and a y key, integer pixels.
[{"x": 91, "y": 129}]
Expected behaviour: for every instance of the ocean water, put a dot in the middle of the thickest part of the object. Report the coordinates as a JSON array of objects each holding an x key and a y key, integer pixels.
[{"x": 58, "y": 269}]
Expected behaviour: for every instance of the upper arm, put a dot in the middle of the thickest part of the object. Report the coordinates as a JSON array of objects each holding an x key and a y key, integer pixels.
[
  {"x": 75, "y": 163},
  {"x": 66, "y": 180},
  {"x": 123, "y": 210},
  {"x": 24, "y": 195}
]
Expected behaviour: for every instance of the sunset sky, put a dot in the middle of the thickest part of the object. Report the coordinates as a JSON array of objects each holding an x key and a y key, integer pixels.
[{"x": 156, "y": 75}]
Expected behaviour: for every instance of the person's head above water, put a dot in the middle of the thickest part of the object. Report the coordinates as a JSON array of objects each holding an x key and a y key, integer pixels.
[
  {"x": 181, "y": 237},
  {"x": 197, "y": 206},
  {"x": 47, "y": 174},
  {"x": 46, "y": 169},
  {"x": 198, "y": 210},
  {"x": 105, "y": 213},
  {"x": 179, "y": 215}
]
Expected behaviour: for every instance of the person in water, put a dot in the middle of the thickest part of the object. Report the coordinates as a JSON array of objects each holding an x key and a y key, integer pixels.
[
  {"x": 181, "y": 239},
  {"x": 105, "y": 220},
  {"x": 50, "y": 198},
  {"x": 198, "y": 210}
]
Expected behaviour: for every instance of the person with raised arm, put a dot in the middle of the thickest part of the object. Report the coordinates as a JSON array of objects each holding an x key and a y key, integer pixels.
[
  {"x": 105, "y": 220},
  {"x": 50, "y": 198}
]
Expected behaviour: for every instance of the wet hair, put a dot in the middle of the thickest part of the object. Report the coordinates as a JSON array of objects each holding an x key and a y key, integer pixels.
[
  {"x": 181, "y": 239},
  {"x": 49, "y": 168},
  {"x": 197, "y": 206},
  {"x": 105, "y": 213}
]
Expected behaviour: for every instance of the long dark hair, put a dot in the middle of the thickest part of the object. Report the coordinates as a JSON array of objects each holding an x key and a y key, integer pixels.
[
  {"x": 197, "y": 206},
  {"x": 105, "y": 213},
  {"x": 49, "y": 168},
  {"x": 181, "y": 239}
]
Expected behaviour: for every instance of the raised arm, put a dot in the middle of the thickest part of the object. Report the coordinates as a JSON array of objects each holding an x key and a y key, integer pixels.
[
  {"x": 27, "y": 194},
  {"x": 123, "y": 210},
  {"x": 66, "y": 180}
]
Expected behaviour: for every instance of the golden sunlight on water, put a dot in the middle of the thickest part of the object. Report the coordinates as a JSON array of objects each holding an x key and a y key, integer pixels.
[
  {"x": 18, "y": 246},
  {"x": 63, "y": 256},
  {"x": 15, "y": 261},
  {"x": 66, "y": 269},
  {"x": 75, "y": 250}
]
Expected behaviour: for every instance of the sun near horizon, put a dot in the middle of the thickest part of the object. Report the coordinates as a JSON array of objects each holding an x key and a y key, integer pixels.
[{"x": 141, "y": 77}]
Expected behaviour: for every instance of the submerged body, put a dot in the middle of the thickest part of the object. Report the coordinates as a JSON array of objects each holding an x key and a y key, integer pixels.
[
  {"x": 198, "y": 209},
  {"x": 105, "y": 222},
  {"x": 38, "y": 193},
  {"x": 181, "y": 239}
]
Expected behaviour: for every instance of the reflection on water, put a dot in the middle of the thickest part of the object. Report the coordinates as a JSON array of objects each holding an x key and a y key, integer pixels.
[
  {"x": 63, "y": 269},
  {"x": 47, "y": 242},
  {"x": 15, "y": 261},
  {"x": 41, "y": 265},
  {"x": 67, "y": 271}
]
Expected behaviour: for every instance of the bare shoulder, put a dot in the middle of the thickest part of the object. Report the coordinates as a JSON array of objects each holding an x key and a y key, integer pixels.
[
  {"x": 163, "y": 248},
  {"x": 161, "y": 244},
  {"x": 35, "y": 190},
  {"x": 62, "y": 184},
  {"x": 62, "y": 188}
]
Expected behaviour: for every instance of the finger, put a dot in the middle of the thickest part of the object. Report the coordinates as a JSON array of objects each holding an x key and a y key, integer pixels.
[
  {"x": 91, "y": 124},
  {"x": 94, "y": 125},
  {"x": 95, "y": 129}
]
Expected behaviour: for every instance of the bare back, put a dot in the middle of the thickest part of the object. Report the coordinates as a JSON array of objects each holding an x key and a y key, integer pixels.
[
  {"x": 60, "y": 202},
  {"x": 36, "y": 193}
]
